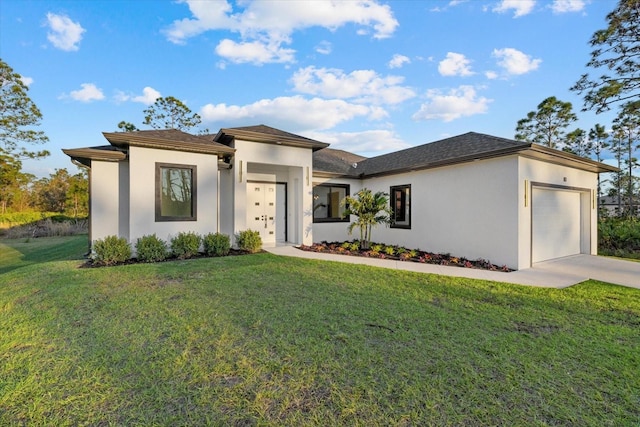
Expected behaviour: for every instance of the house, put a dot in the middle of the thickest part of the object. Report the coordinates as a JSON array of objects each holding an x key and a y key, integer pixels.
[
  {"x": 615, "y": 206},
  {"x": 472, "y": 195}
]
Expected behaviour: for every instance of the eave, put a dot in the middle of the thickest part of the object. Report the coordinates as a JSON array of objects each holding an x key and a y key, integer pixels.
[
  {"x": 130, "y": 139},
  {"x": 246, "y": 135},
  {"x": 86, "y": 155}
]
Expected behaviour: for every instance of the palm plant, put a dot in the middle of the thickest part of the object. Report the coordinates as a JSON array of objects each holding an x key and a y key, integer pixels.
[{"x": 371, "y": 210}]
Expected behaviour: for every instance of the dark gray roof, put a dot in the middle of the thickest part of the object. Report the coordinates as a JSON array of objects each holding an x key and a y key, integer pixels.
[
  {"x": 465, "y": 147},
  {"x": 266, "y": 134},
  {"x": 334, "y": 161}
]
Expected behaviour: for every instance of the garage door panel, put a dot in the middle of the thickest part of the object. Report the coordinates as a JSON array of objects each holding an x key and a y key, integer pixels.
[{"x": 555, "y": 224}]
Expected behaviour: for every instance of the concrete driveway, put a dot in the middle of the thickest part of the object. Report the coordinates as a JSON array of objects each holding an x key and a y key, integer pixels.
[{"x": 583, "y": 267}]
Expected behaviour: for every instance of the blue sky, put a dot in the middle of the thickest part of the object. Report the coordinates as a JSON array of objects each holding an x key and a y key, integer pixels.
[{"x": 366, "y": 76}]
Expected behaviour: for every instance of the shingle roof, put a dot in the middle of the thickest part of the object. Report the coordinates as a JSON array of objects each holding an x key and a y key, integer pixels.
[
  {"x": 468, "y": 146},
  {"x": 168, "y": 139},
  {"x": 334, "y": 161},
  {"x": 267, "y": 134}
]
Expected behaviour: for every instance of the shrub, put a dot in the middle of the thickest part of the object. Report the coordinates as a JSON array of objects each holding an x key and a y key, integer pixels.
[
  {"x": 151, "y": 249},
  {"x": 249, "y": 241},
  {"x": 185, "y": 245},
  {"x": 111, "y": 250},
  {"x": 216, "y": 244},
  {"x": 619, "y": 237}
]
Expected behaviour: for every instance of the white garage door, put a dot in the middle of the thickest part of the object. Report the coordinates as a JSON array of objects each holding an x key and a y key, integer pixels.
[{"x": 556, "y": 224}]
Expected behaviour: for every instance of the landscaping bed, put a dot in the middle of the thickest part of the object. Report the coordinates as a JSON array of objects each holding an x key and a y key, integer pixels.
[{"x": 399, "y": 253}]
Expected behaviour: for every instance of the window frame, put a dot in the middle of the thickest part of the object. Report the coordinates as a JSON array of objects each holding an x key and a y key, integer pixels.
[
  {"x": 158, "y": 192},
  {"x": 347, "y": 189},
  {"x": 407, "y": 204}
]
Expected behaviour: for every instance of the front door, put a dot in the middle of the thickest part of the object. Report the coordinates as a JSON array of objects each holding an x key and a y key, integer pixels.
[{"x": 261, "y": 210}]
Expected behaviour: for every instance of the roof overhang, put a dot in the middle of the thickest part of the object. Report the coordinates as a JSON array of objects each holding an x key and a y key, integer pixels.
[
  {"x": 540, "y": 152},
  {"x": 227, "y": 134},
  {"x": 86, "y": 155},
  {"x": 131, "y": 139}
]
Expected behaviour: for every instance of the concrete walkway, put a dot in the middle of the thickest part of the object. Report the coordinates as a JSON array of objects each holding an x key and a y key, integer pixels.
[{"x": 558, "y": 273}]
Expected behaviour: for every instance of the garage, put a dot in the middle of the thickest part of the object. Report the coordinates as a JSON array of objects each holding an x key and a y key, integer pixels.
[{"x": 556, "y": 225}]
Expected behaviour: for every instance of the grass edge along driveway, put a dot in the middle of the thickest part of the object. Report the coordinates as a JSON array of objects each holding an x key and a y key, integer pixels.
[{"x": 266, "y": 340}]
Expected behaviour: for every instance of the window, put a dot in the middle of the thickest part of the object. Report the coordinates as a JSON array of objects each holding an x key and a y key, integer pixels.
[
  {"x": 175, "y": 192},
  {"x": 326, "y": 202},
  {"x": 401, "y": 206}
]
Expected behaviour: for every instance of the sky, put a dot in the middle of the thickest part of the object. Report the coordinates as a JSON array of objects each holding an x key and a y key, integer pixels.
[{"x": 366, "y": 76}]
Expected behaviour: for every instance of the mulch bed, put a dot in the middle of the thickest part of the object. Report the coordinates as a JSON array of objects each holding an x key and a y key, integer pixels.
[{"x": 401, "y": 254}]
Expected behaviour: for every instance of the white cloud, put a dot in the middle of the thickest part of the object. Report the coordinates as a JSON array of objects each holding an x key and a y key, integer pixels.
[
  {"x": 491, "y": 75},
  {"x": 359, "y": 85},
  {"x": 65, "y": 34},
  {"x": 295, "y": 113},
  {"x": 255, "y": 52},
  {"x": 456, "y": 64},
  {"x": 324, "y": 47},
  {"x": 271, "y": 24},
  {"x": 460, "y": 102},
  {"x": 398, "y": 61},
  {"x": 27, "y": 81},
  {"x": 148, "y": 97},
  {"x": 515, "y": 62},
  {"x": 88, "y": 93},
  {"x": 564, "y": 6},
  {"x": 520, "y": 7},
  {"x": 369, "y": 142}
]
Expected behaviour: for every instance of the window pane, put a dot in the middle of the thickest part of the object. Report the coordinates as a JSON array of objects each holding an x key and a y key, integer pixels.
[
  {"x": 326, "y": 202},
  {"x": 401, "y": 206},
  {"x": 176, "y": 192}
]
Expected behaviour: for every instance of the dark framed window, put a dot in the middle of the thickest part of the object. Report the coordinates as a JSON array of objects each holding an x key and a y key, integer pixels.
[
  {"x": 400, "y": 206},
  {"x": 176, "y": 192},
  {"x": 326, "y": 202}
]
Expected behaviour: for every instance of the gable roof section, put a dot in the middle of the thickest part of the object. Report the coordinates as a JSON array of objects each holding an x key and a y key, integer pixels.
[
  {"x": 463, "y": 148},
  {"x": 266, "y": 134},
  {"x": 333, "y": 162},
  {"x": 167, "y": 139}
]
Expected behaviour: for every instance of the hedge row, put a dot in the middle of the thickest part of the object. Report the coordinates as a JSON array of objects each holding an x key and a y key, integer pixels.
[{"x": 116, "y": 250}]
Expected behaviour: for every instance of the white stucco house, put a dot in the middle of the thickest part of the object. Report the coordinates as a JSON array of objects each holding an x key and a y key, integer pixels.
[{"x": 473, "y": 195}]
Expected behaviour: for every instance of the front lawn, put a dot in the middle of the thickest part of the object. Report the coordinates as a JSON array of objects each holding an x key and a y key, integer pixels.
[{"x": 267, "y": 340}]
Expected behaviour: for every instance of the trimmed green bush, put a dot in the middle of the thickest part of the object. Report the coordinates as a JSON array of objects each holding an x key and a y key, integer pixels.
[
  {"x": 111, "y": 250},
  {"x": 619, "y": 237},
  {"x": 216, "y": 244},
  {"x": 151, "y": 249},
  {"x": 185, "y": 245},
  {"x": 249, "y": 241}
]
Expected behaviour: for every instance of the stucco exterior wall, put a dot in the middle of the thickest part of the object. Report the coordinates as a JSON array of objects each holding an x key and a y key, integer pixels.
[
  {"x": 105, "y": 200},
  {"x": 142, "y": 162},
  {"x": 533, "y": 171},
  {"x": 468, "y": 210}
]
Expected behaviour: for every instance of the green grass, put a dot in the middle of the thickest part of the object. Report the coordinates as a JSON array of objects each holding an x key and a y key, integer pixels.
[{"x": 265, "y": 340}]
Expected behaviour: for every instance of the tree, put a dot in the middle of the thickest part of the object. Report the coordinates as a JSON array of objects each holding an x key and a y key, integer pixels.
[
  {"x": 77, "y": 197},
  {"x": 170, "y": 113},
  {"x": 371, "y": 210},
  {"x": 598, "y": 137},
  {"x": 9, "y": 176},
  {"x": 18, "y": 115},
  {"x": 546, "y": 126},
  {"x": 578, "y": 143},
  {"x": 127, "y": 127},
  {"x": 627, "y": 128},
  {"x": 617, "y": 53}
]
